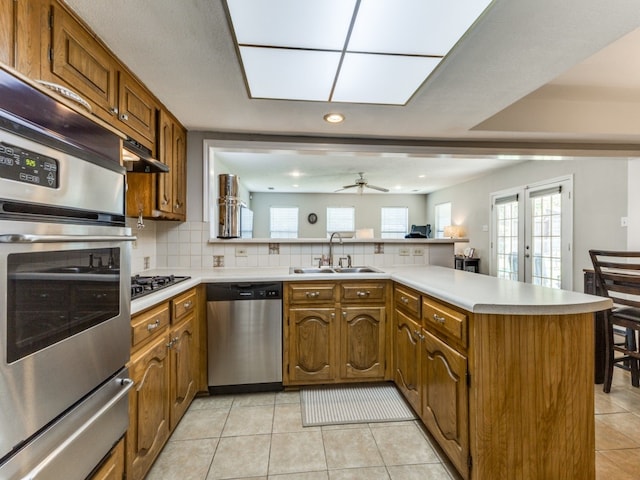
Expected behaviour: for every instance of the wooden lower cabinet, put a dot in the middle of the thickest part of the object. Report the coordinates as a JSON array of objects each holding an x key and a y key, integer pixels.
[
  {"x": 445, "y": 409},
  {"x": 362, "y": 343},
  {"x": 164, "y": 366},
  {"x": 148, "y": 406},
  {"x": 335, "y": 332},
  {"x": 183, "y": 369},
  {"x": 505, "y": 396},
  {"x": 113, "y": 467},
  {"x": 311, "y": 341},
  {"x": 407, "y": 374}
]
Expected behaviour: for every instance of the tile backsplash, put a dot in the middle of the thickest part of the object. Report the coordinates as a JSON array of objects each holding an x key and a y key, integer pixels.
[{"x": 186, "y": 245}]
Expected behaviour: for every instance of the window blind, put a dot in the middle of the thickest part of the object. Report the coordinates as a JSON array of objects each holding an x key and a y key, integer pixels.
[
  {"x": 283, "y": 222},
  {"x": 394, "y": 222}
]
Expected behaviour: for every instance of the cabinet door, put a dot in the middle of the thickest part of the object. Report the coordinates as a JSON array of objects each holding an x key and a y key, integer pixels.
[
  {"x": 407, "y": 358},
  {"x": 179, "y": 177},
  {"x": 445, "y": 409},
  {"x": 311, "y": 345},
  {"x": 362, "y": 342},
  {"x": 183, "y": 369},
  {"x": 165, "y": 154},
  {"x": 137, "y": 110},
  {"x": 7, "y": 31},
  {"x": 148, "y": 407},
  {"x": 81, "y": 63}
]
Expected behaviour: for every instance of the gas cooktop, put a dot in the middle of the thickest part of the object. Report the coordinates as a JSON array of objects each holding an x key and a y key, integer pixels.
[{"x": 144, "y": 285}]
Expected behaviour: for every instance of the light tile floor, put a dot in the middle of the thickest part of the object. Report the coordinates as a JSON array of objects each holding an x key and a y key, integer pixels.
[{"x": 260, "y": 436}]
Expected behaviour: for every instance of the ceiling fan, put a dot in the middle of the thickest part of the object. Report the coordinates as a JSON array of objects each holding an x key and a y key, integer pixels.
[{"x": 360, "y": 183}]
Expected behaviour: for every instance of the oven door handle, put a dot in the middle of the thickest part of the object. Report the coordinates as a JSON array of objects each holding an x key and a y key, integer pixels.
[
  {"x": 29, "y": 238},
  {"x": 127, "y": 383}
]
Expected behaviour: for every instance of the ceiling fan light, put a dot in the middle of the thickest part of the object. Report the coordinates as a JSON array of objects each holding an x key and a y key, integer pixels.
[{"x": 334, "y": 118}]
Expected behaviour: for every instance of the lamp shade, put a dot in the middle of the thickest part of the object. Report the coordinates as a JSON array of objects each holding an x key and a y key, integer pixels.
[{"x": 453, "y": 231}]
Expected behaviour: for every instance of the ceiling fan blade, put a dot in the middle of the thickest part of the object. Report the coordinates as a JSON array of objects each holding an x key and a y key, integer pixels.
[
  {"x": 350, "y": 186},
  {"x": 377, "y": 188}
]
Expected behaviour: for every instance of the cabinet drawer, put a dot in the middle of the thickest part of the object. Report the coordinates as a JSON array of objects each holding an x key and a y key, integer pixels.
[
  {"x": 183, "y": 305},
  {"x": 363, "y": 292},
  {"x": 445, "y": 319},
  {"x": 149, "y": 323},
  {"x": 311, "y": 292},
  {"x": 407, "y": 300}
]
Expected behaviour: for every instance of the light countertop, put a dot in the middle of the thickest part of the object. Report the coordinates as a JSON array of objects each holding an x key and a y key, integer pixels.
[{"x": 470, "y": 291}]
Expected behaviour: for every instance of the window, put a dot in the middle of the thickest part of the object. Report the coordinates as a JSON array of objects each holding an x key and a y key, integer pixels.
[
  {"x": 506, "y": 212},
  {"x": 394, "y": 222},
  {"x": 443, "y": 218},
  {"x": 283, "y": 222},
  {"x": 340, "y": 219},
  {"x": 246, "y": 222}
]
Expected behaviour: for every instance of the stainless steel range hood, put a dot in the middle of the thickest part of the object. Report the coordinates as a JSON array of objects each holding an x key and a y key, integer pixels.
[{"x": 138, "y": 158}]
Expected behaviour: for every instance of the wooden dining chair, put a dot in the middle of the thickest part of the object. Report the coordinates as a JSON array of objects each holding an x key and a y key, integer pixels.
[{"x": 618, "y": 277}]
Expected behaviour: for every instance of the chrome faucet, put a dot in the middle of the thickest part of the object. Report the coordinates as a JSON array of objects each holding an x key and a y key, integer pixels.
[{"x": 331, "y": 246}]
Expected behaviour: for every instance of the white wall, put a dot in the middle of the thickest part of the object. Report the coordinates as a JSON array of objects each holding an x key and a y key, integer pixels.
[
  {"x": 600, "y": 199},
  {"x": 633, "y": 212},
  {"x": 367, "y": 207}
]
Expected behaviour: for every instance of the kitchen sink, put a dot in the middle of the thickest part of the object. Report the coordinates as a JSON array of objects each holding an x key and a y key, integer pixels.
[
  {"x": 356, "y": 270},
  {"x": 311, "y": 270},
  {"x": 333, "y": 270}
]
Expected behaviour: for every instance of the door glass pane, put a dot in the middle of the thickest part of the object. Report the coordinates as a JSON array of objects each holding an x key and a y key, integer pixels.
[
  {"x": 546, "y": 240},
  {"x": 507, "y": 240}
]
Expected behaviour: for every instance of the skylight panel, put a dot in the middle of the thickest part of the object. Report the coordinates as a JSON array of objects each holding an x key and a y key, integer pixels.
[
  {"x": 309, "y": 24},
  {"x": 366, "y": 51},
  {"x": 289, "y": 74},
  {"x": 381, "y": 79}
]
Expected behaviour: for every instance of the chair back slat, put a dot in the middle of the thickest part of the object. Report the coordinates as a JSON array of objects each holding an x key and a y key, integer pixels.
[{"x": 618, "y": 279}]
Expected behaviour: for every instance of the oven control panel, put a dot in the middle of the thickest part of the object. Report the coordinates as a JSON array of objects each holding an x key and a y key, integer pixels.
[{"x": 28, "y": 167}]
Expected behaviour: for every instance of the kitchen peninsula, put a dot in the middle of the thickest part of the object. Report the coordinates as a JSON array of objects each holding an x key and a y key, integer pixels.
[{"x": 503, "y": 371}]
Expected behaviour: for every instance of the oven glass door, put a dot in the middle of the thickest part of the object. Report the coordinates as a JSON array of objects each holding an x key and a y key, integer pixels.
[{"x": 54, "y": 295}]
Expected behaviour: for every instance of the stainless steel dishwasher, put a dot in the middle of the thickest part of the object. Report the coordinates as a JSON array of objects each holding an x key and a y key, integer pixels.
[{"x": 244, "y": 337}]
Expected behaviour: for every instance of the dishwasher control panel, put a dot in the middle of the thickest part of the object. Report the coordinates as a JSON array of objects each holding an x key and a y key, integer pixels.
[{"x": 244, "y": 291}]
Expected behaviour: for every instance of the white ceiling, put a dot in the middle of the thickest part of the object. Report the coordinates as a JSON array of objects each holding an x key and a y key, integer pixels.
[{"x": 557, "y": 78}]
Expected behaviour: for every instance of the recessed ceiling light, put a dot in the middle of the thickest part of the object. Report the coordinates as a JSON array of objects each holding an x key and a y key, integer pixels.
[
  {"x": 421, "y": 176},
  {"x": 334, "y": 118},
  {"x": 295, "y": 185},
  {"x": 295, "y": 173}
]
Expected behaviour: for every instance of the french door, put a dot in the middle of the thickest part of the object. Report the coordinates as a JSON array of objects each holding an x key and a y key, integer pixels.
[{"x": 532, "y": 233}]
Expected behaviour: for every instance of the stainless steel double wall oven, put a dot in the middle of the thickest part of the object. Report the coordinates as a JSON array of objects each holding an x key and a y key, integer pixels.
[{"x": 64, "y": 288}]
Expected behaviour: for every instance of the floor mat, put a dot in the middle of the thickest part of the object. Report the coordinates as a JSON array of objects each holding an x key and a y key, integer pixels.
[{"x": 341, "y": 404}]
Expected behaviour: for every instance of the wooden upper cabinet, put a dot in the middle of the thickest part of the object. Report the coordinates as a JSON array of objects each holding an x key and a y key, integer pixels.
[
  {"x": 7, "y": 31},
  {"x": 82, "y": 63},
  {"x": 165, "y": 155},
  {"x": 137, "y": 109},
  {"x": 179, "y": 176},
  {"x": 22, "y": 25},
  {"x": 172, "y": 150}
]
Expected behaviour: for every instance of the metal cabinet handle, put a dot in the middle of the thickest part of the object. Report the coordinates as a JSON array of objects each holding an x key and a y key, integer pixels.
[
  {"x": 154, "y": 325},
  {"x": 404, "y": 300},
  {"x": 188, "y": 304},
  {"x": 419, "y": 335},
  {"x": 113, "y": 110},
  {"x": 440, "y": 320},
  {"x": 124, "y": 117},
  {"x": 312, "y": 294},
  {"x": 361, "y": 294}
]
